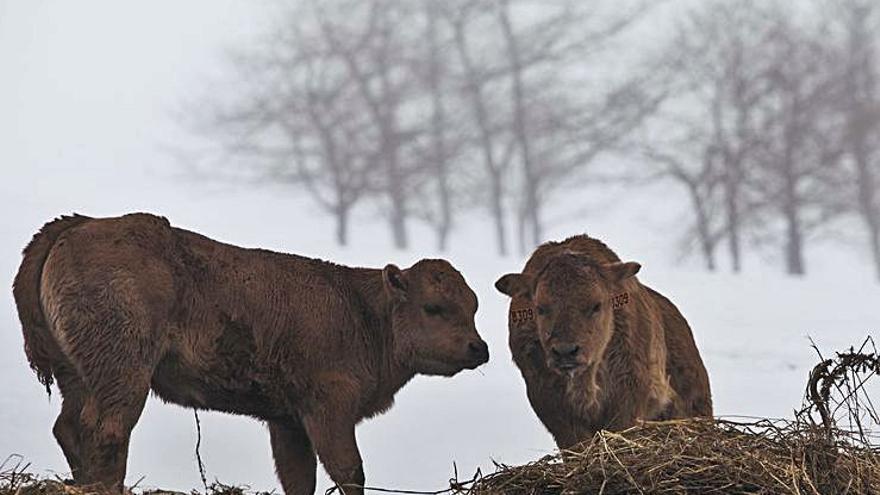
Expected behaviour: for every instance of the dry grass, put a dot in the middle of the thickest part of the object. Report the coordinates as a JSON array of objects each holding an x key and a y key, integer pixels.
[
  {"x": 698, "y": 456},
  {"x": 16, "y": 479}
]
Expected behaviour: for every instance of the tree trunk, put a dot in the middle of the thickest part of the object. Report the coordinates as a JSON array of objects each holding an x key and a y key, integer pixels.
[
  {"x": 396, "y": 192},
  {"x": 704, "y": 231},
  {"x": 790, "y": 201},
  {"x": 794, "y": 257},
  {"x": 398, "y": 227},
  {"x": 443, "y": 232},
  {"x": 342, "y": 213},
  {"x": 438, "y": 123},
  {"x": 867, "y": 196},
  {"x": 498, "y": 214},
  {"x": 481, "y": 115},
  {"x": 731, "y": 175},
  {"x": 731, "y": 203},
  {"x": 530, "y": 177},
  {"x": 873, "y": 225}
]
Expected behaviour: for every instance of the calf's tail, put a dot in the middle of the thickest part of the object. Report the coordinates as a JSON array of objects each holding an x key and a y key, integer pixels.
[{"x": 39, "y": 344}]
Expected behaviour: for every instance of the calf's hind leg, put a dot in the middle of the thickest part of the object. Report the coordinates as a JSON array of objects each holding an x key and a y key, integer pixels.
[
  {"x": 67, "y": 426},
  {"x": 116, "y": 355},
  {"x": 107, "y": 419}
]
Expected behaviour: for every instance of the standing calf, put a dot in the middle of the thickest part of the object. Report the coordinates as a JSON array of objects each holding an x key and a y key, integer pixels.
[
  {"x": 112, "y": 308},
  {"x": 597, "y": 349}
]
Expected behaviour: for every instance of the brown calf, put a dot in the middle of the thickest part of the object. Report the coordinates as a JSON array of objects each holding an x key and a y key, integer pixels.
[
  {"x": 597, "y": 349},
  {"x": 112, "y": 308}
]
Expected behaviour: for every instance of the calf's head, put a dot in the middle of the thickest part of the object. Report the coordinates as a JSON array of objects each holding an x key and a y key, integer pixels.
[
  {"x": 572, "y": 301},
  {"x": 432, "y": 318}
]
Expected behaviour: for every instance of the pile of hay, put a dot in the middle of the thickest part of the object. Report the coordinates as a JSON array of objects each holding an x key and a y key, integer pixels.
[
  {"x": 828, "y": 448},
  {"x": 698, "y": 456}
]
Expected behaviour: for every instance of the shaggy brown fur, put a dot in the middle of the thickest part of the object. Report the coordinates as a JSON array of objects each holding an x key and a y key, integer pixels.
[
  {"x": 113, "y": 308},
  {"x": 597, "y": 349}
]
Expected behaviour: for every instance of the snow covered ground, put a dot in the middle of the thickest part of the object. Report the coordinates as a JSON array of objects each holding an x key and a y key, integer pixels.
[{"x": 80, "y": 130}]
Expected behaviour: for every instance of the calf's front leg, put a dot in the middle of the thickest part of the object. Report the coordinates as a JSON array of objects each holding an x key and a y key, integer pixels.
[
  {"x": 294, "y": 457},
  {"x": 332, "y": 436}
]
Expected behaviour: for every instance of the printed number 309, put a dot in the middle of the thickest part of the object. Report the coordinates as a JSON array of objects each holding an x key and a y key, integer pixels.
[{"x": 522, "y": 315}]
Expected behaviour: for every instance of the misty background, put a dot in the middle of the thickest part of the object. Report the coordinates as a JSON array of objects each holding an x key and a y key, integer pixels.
[{"x": 731, "y": 147}]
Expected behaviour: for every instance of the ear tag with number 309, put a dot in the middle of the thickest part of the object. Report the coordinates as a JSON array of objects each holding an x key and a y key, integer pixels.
[{"x": 521, "y": 315}]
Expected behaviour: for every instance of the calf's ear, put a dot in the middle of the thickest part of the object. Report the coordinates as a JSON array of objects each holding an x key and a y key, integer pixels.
[
  {"x": 623, "y": 270},
  {"x": 514, "y": 285},
  {"x": 395, "y": 282}
]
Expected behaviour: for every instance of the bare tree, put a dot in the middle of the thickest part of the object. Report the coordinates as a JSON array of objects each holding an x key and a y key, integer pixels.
[
  {"x": 494, "y": 147},
  {"x": 366, "y": 37},
  {"x": 439, "y": 153},
  {"x": 530, "y": 209},
  {"x": 754, "y": 126},
  {"x": 292, "y": 122},
  {"x": 799, "y": 153},
  {"x": 336, "y": 163},
  {"x": 375, "y": 98},
  {"x": 696, "y": 169},
  {"x": 717, "y": 72},
  {"x": 853, "y": 27},
  {"x": 557, "y": 125}
]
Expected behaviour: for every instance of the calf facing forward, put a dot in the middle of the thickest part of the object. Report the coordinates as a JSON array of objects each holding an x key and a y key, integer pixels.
[
  {"x": 597, "y": 349},
  {"x": 112, "y": 308}
]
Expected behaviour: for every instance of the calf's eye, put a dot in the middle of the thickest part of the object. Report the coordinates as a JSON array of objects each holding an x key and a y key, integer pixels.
[
  {"x": 432, "y": 309},
  {"x": 596, "y": 307},
  {"x": 543, "y": 310}
]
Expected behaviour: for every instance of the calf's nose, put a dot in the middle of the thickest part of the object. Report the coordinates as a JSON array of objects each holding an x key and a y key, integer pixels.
[
  {"x": 478, "y": 350},
  {"x": 565, "y": 352}
]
